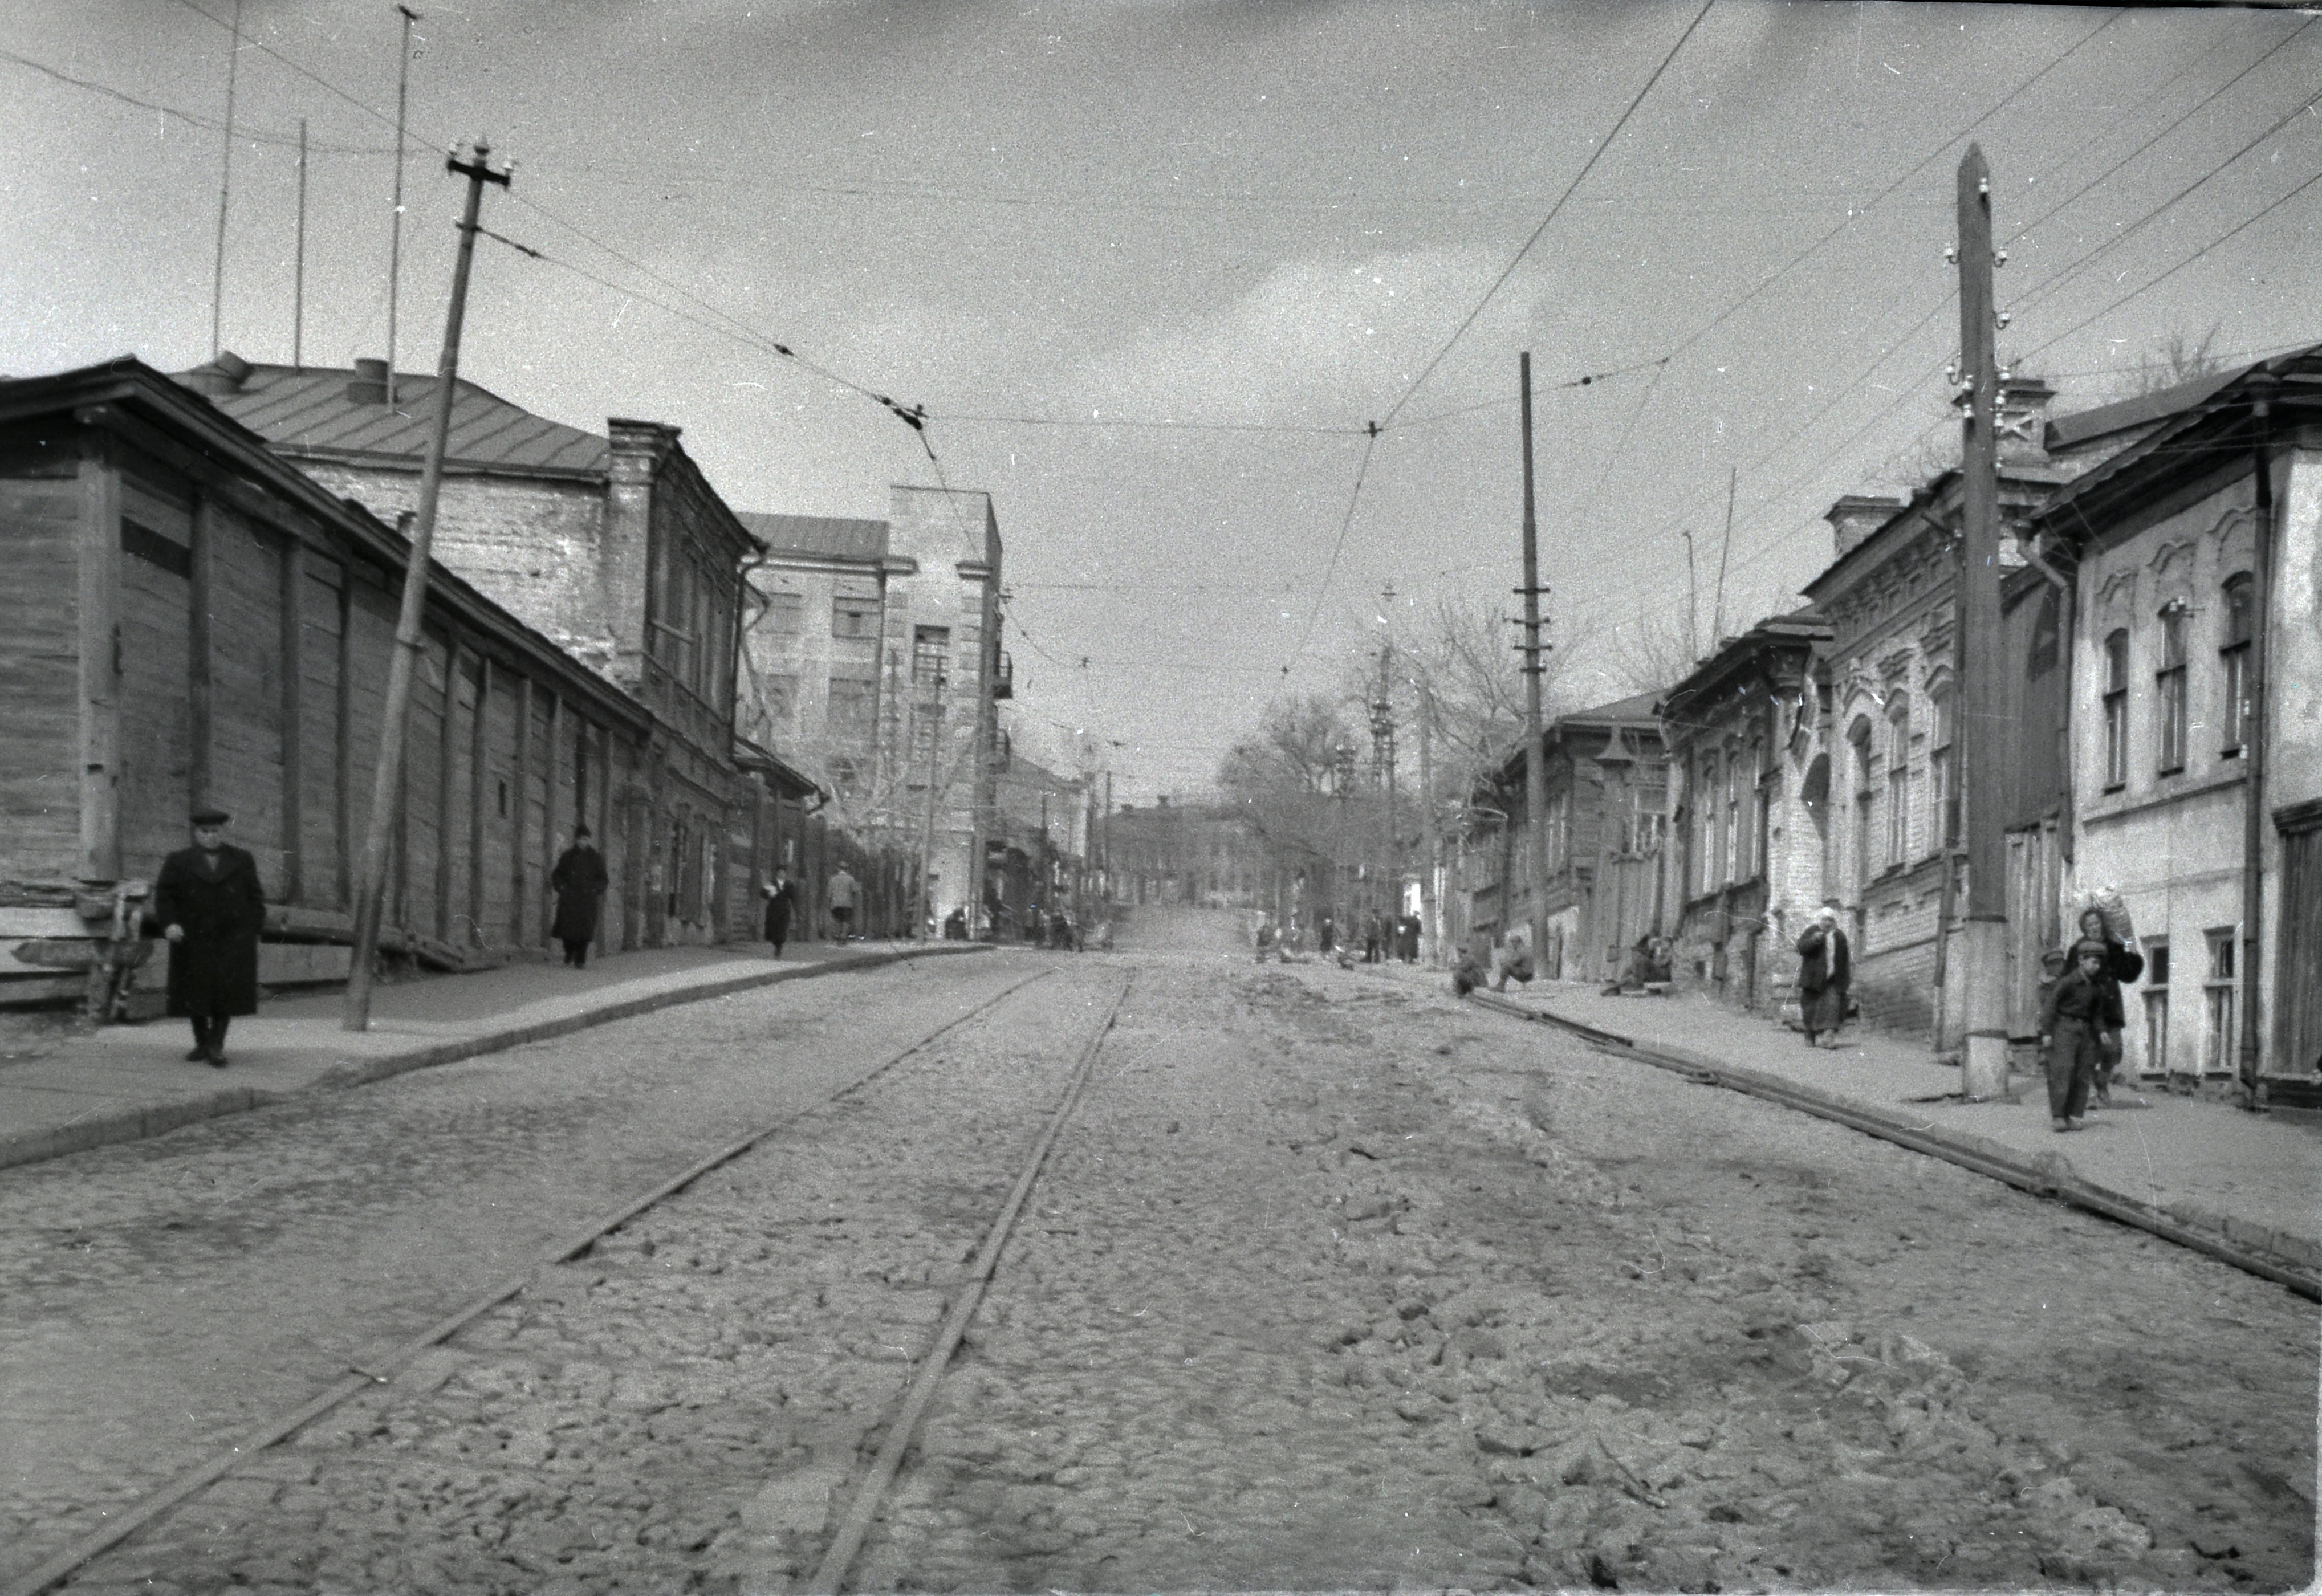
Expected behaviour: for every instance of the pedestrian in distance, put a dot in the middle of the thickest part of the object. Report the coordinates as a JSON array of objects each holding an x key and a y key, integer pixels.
[
  {"x": 781, "y": 900},
  {"x": 2121, "y": 963},
  {"x": 579, "y": 879},
  {"x": 954, "y": 927},
  {"x": 209, "y": 905},
  {"x": 1374, "y": 938},
  {"x": 1826, "y": 971},
  {"x": 2070, "y": 1019},
  {"x": 1516, "y": 963},
  {"x": 1467, "y": 974},
  {"x": 1325, "y": 935},
  {"x": 841, "y": 899}
]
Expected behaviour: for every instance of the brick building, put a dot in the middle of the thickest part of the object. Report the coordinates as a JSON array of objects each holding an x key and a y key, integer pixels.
[
  {"x": 614, "y": 547},
  {"x": 1895, "y": 789},
  {"x": 872, "y": 652},
  {"x": 189, "y": 619},
  {"x": 1749, "y": 808}
]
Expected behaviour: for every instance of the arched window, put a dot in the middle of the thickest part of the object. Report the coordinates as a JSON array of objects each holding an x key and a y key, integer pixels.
[
  {"x": 1866, "y": 784},
  {"x": 2169, "y": 687},
  {"x": 1898, "y": 781},
  {"x": 2233, "y": 656},
  {"x": 2116, "y": 711},
  {"x": 1942, "y": 785}
]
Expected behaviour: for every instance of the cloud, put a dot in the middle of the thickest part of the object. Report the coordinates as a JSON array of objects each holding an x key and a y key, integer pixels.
[{"x": 1316, "y": 341}]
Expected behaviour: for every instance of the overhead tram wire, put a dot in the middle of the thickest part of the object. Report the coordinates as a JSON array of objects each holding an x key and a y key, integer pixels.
[
  {"x": 1586, "y": 166},
  {"x": 1354, "y": 498},
  {"x": 243, "y": 132}
]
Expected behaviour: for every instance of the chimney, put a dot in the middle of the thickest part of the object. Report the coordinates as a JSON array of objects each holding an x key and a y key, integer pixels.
[
  {"x": 223, "y": 376},
  {"x": 625, "y": 549},
  {"x": 2024, "y": 402},
  {"x": 370, "y": 384},
  {"x": 1855, "y": 517}
]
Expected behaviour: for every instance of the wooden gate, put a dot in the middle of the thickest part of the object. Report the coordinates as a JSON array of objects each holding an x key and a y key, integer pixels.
[
  {"x": 2298, "y": 978},
  {"x": 2036, "y": 919}
]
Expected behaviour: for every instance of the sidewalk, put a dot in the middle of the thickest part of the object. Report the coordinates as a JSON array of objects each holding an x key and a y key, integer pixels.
[
  {"x": 2255, "y": 1179},
  {"x": 125, "y": 1082}
]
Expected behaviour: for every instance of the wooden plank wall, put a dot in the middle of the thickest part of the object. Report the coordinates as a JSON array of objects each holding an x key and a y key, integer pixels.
[
  {"x": 40, "y": 504},
  {"x": 252, "y": 672}
]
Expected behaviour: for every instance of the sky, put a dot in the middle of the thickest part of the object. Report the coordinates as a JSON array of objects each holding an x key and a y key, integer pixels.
[{"x": 1157, "y": 270}]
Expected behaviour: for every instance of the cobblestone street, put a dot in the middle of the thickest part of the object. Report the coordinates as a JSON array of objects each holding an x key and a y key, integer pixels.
[{"x": 1326, "y": 1284}]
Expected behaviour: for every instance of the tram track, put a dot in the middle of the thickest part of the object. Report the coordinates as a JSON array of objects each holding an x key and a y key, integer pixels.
[{"x": 382, "y": 1369}]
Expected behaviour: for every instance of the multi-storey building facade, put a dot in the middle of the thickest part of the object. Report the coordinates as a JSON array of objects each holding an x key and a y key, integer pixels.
[
  {"x": 873, "y": 650},
  {"x": 1749, "y": 809},
  {"x": 2195, "y": 752}
]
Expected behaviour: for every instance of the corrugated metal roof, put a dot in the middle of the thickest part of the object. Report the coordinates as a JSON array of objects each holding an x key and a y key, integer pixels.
[
  {"x": 831, "y": 536},
  {"x": 309, "y": 411}
]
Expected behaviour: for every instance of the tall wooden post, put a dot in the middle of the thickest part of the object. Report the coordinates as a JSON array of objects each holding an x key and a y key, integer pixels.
[
  {"x": 1982, "y": 735},
  {"x": 1431, "y": 934},
  {"x": 386, "y": 789},
  {"x": 1535, "y": 756}
]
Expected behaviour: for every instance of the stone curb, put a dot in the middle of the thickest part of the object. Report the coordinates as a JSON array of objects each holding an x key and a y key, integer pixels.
[
  {"x": 141, "y": 1121},
  {"x": 2289, "y": 1259}
]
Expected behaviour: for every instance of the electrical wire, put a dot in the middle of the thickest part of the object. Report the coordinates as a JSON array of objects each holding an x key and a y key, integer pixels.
[
  {"x": 1354, "y": 498},
  {"x": 241, "y": 131},
  {"x": 1586, "y": 166}
]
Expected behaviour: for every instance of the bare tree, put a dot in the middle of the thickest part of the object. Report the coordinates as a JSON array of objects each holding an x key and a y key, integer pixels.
[{"x": 1651, "y": 652}]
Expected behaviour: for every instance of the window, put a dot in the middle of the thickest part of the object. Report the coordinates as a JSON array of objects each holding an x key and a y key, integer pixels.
[
  {"x": 1865, "y": 792},
  {"x": 785, "y": 613},
  {"x": 2116, "y": 711},
  {"x": 1898, "y": 781},
  {"x": 930, "y": 652},
  {"x": 2219, "y": 1036},
  {"x": 1942, "y": 794},
  {"x": 779, "y": 703},
  {"x": 2233, "y": 656},
  {"x": 2156, "y": 1009},
  {"x": 854, "y": 617},
  {"x": 851, "y": 701},
  {"x": 2169, "y": 687},
  {"x": 1652, "y": 806},
  {"x": 1712, "y": 854},
  {"x": 1761, "y": 798},
  {"x": 1737, "y": 866}
]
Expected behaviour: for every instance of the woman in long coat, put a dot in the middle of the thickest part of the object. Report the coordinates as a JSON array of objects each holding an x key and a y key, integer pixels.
[
  {"x": 781, "y": 895},
  {"x": 208, "y": 903},
  {"x": 1825, "y": 971},
  {"x": 580, "y": 880}
]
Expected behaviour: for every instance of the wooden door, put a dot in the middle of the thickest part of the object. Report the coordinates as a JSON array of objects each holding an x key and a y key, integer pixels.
[{"x": 2298, "y": 964}]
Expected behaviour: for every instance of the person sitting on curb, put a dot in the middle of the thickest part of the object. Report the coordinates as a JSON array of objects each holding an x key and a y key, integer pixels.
[
  {"x": 2068, "y": 1021},
  {"x": 1467, "y": 974},
  {"x": 1515, "y": 961}
]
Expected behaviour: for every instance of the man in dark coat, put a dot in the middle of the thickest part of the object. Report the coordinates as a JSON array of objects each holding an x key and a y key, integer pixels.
[
  {"x": 1825, "y": 971},
  {"x": 2121, "y": 963},
  {"x": 781, "y": 897},
  {"x": 580, "y": 880},
  {"x": 208, "y": 903}
]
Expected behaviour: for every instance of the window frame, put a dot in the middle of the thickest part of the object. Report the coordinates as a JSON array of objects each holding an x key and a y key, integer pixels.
[
  {"x": 2238, "y": 596},
  {"x": 1898, "y": 781},
  {"x": 2115, "y": 709},
  {"x": 2172, "y": 721},
  {"x": 2221, "y": 1001}
]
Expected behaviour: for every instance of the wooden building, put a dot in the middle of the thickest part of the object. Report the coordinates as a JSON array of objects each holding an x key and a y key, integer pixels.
[
  {"x": 192, "y": 618},
  {"x": 1606, "y": 808}
]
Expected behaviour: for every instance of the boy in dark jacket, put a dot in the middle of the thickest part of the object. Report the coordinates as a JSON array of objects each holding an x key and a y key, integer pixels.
[{"x": 2070, "y": 1019}]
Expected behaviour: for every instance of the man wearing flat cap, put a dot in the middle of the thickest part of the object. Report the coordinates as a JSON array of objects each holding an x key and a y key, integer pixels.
[{"x": 208, "y": 903}]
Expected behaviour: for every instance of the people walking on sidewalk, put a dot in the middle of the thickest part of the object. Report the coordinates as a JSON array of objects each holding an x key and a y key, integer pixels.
[
  {"x": 210, "y": 906},
  {"x": 2121, "y": 963},
  {"x": 2070, "y": 1018},
  {"x": 579, "y": 879},
  {"x": 1825, "y": 972},
  {"x": 841, "y": 898},
  {"x": 782, "y": 897}
]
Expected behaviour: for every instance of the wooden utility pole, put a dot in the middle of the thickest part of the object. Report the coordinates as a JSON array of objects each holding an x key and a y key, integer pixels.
[
  {"x": 299, "y": 272},
  {"x": 387, "y": 787},
  {"x": 1430, "y": 933},
  {"x": 1982, "y": 735},
  {"x": 1725, "y": 548},
  {"x": 394, "y": 231},
  {"x": 1535, "y": 756},
  {"x": 226, "y": 190}
]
